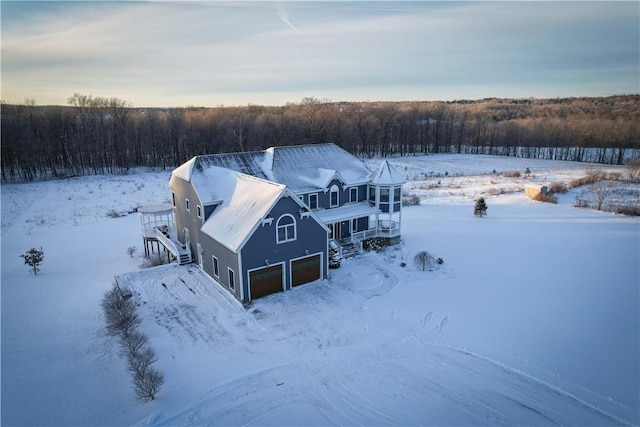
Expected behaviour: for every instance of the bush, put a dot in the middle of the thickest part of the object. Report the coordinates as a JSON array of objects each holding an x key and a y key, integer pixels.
[
  {"x": 376, "y": 244},
  {"x": 131, "y": 250},
  {"x": 410, "y": 200},
  {"x": 112, "y": 213},
  {"x": 33, "y": 258},
  {"x": 423, "y": 260},
  {"x": 480, "y": 208},
  {"x": 122, "y": 321},
  {"x": 626, "y": 210},
  {"x": 557, "y": 188},
  {"x": 546, "y": 198},
  {"x": 511, "y": 174}
]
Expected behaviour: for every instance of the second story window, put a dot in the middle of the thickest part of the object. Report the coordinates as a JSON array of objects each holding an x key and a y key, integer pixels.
[
  {"x": 313, "y": 201},
  {"x": 186, "y": 205},
  {"x": 286, "y": 229},
  {"x": 199, "y": 210},
  {"x": 353, "y": 194},
  {"x": 334, "y": 200}
]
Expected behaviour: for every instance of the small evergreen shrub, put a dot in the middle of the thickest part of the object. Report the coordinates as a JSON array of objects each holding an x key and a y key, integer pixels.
[
  {"x": 33, "y": 258},
  {"x": 480, "y": 208}
]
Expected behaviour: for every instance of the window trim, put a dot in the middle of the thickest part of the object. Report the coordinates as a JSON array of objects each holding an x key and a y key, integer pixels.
[
  {"x": 199, "y": 211},
  {"x": 186, "y": 205},
  {"x": 216, "y": 266},
  {"x": 285, "y": 227},
  {"x": 334, "y": 190}
]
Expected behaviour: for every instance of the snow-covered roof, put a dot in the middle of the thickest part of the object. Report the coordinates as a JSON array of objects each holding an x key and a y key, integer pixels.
[
  {"x": 386, "y": 175},
  {"x": 301, "y": 167},
  {"x": 311, "y": 167},
  {"x": 345, "y": 212},
  {"x": 245, "y": 200}
]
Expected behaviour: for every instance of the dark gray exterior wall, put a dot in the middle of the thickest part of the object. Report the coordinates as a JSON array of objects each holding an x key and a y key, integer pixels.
[{"x": 262, "y": 245}]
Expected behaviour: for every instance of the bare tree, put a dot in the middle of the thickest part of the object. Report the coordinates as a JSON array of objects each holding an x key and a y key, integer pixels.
[
  {"x": 633, "y": 170},
  {"x": 147, "y": 385},
  {"x": 424, "y": 260},
  {"x": 600, "y": 191}
]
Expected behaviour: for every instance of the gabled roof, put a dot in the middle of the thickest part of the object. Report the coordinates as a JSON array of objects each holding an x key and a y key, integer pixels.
[
  {"x": 244, "y": 201},
  {"x": 386, "y": 175}
]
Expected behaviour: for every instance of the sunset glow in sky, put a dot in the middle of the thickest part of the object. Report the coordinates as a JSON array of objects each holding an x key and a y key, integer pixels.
[{"x": 237, "y": 53}]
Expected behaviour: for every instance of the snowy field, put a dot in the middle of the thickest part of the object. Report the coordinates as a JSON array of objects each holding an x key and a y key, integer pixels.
[{"x": 533, "y": 319}]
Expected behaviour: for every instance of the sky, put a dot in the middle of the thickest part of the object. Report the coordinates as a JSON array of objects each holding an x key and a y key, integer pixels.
[{"x": 212, "y": 53}]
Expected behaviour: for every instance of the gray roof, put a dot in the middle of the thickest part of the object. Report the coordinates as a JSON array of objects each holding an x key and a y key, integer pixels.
[{"x": 302, "y": 168}]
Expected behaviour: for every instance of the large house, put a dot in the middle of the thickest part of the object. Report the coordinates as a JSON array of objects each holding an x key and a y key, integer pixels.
[{"x": 261, "y": 222}]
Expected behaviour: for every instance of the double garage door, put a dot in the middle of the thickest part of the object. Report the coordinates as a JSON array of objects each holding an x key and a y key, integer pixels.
[{"x": 269, "y": 280}]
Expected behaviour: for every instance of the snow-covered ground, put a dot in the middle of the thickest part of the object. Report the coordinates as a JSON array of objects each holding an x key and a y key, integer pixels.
[{"x": 532, "y": 319}]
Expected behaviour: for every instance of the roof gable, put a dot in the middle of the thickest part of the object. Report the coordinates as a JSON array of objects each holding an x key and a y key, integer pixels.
[{"x": 245, "y": 200}]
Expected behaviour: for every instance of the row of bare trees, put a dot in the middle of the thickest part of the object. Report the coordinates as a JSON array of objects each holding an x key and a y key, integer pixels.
[{"x": 94, "y": 135}]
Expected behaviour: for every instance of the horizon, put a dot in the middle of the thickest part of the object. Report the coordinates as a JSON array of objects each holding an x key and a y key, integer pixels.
[{"x": 212, "y": 54}]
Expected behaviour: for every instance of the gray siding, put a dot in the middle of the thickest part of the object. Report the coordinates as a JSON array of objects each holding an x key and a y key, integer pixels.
[
  {"x": 183, "y": 190},
  {"x": 262, "y": 245},
  {"x": 226, "y": 259}
]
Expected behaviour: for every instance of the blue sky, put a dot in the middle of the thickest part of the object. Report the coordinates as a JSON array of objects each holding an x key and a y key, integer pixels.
[{"x": 214, "y": 53}]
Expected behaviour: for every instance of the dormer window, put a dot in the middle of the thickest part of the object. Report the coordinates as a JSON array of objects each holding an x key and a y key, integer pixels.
[
  {"x": 334, "y": 200},
  {"x": 353, "y": 194},
  {"x": 286, "y": 229}
]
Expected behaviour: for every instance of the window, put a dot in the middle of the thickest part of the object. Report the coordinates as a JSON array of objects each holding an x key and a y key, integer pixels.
[
  {"x": 286, "y": 229},
  {"x": 313, "y": 201},
  {"x": 334, "y": 199},
  {"x": 384, "y": 195},
  {"x": 353, "y": 194},
  {"x": 372, "y": 194},
  {"x": 216, "y": 268},
  {"x": 232, "y": 280},
  {"x": 173, "y": 199},
  {"x": 396, "y": 194},
  {"x": 354, "y": 225},
  {"x": 199, "y": 211},
  {"x": 186, "y": 205}
]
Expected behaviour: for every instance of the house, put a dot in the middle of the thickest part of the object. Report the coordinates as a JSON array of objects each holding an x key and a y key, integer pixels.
[{"x": 261, "y": 222}]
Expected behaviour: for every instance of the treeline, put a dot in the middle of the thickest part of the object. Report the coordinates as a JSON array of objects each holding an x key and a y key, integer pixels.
[{"x": 94, "y": 135}]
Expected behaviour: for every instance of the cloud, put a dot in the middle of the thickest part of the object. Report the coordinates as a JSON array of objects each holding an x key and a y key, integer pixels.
[{"x": 157, "y": 53}]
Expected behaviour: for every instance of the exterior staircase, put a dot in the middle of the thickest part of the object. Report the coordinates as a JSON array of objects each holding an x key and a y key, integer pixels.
[{"x": 349, "y": 250}]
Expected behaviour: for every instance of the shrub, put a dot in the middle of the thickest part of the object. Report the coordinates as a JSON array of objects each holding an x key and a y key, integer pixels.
[
  {"x": 33, "y": 258},
  {"x": 423, "y": 260},
  {"x": 131, "y": 250},
  {"x": 511, "y": 174},
  {"x": 626, "y": 210},
  {"x": 376, "y": 244},
  {"x": 557, "y": 188},
  {"x": 112, "y": 213},
  {"x": 480, "y": 208},
  {"x": 546, "y": 198},
  {"x": 410, "y": 200},
  {"x": 122, "y": 321}
]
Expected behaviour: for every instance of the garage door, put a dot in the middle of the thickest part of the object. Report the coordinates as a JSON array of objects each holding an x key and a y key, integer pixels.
[
  {"x": 305, "y": 270},
  {"x": 265, "y": 281}
]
